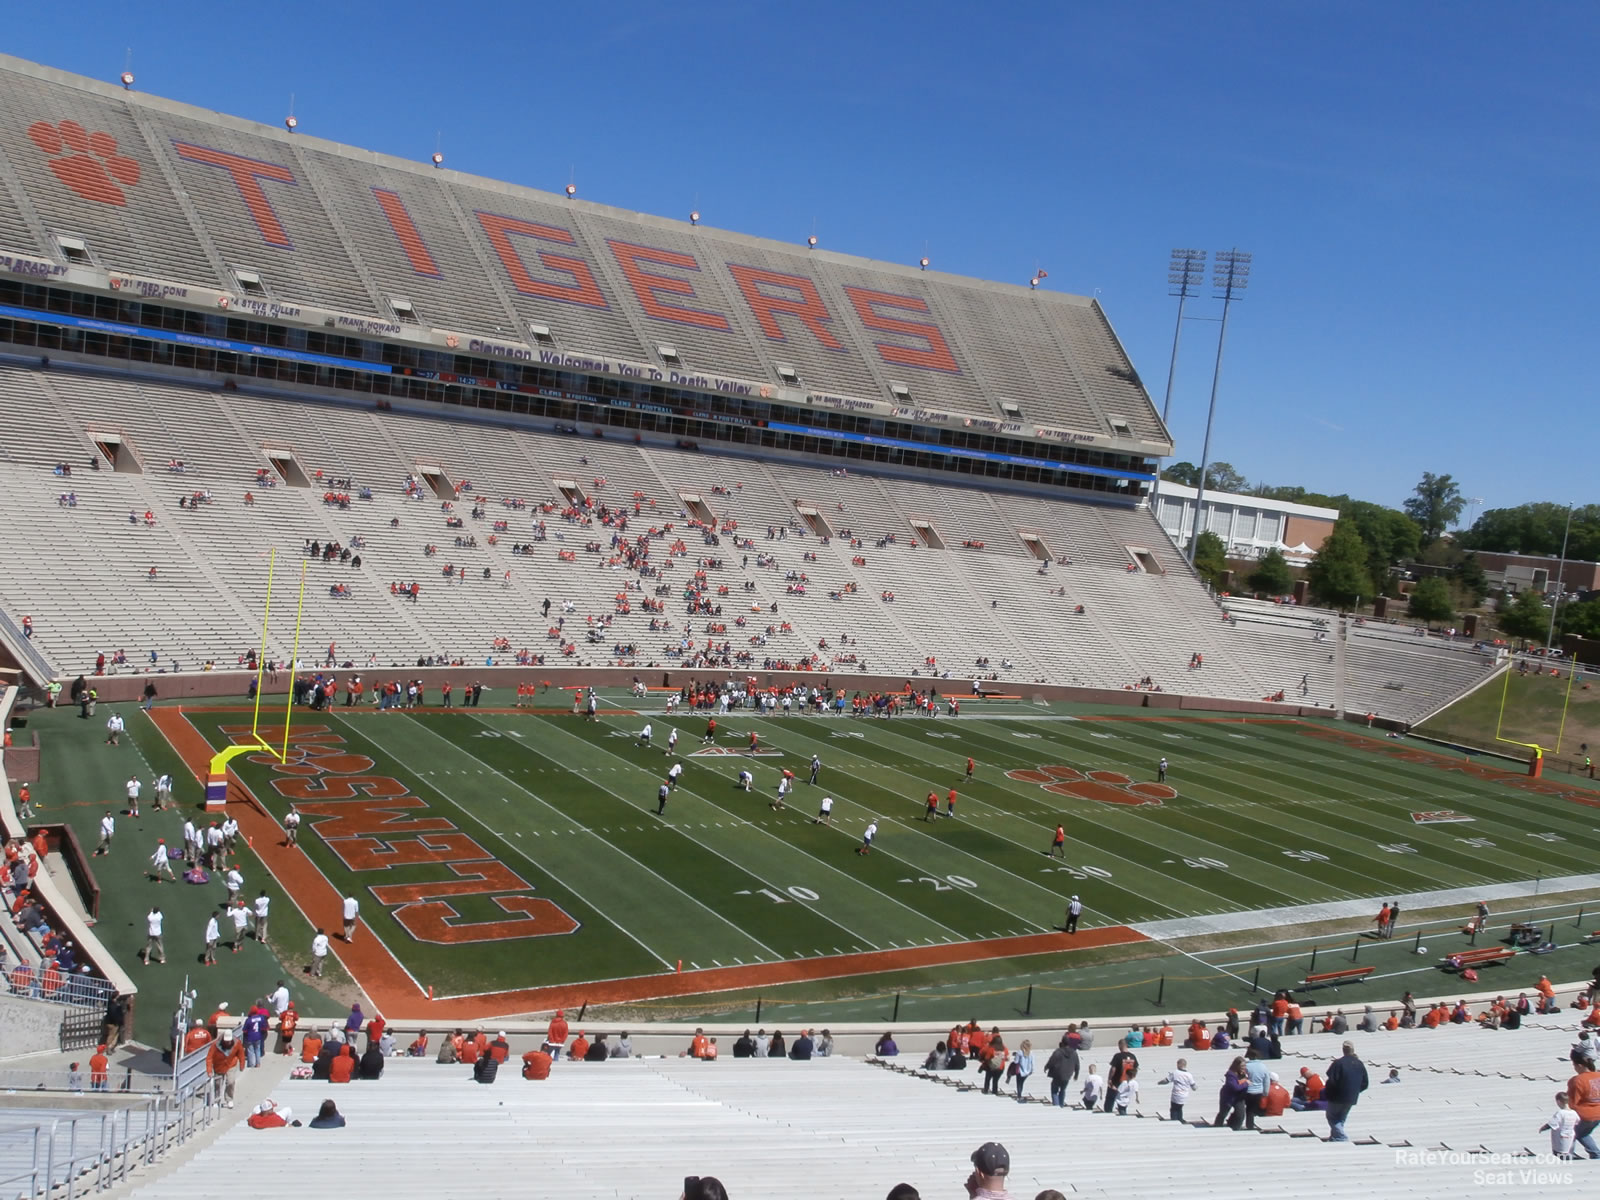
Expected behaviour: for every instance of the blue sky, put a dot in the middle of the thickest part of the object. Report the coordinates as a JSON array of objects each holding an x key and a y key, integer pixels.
[{"x": 1416, "y": 180}]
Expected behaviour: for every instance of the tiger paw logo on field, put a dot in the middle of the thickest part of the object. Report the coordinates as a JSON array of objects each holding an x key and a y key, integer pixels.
[
  {"x": 88, "y": 163},
  {"x": 1108, "y": 787}
]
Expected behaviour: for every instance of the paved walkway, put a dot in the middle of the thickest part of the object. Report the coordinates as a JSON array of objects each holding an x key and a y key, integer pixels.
[{"x": 1343, "y": 910}]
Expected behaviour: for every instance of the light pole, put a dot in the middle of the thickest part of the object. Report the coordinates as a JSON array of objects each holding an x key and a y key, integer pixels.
[
  {"x": 1186, "y": 274},
  {"x": 1230, "y": 276},
  {"x": 1561, "y": 571}
]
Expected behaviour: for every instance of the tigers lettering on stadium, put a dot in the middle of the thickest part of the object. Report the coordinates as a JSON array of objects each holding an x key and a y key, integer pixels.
[
  {"x": 548, "y": 262},
  {"x": 374, "y": 823}
]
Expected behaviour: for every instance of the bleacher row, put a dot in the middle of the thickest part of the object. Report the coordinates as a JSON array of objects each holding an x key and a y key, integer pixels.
[
  {"x": 83, "y": 571},
  {"x": 844, "y": 1128}
]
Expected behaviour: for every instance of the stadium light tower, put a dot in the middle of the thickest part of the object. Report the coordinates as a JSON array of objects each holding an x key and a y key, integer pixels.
[
  {"x": 1561, "y": 587},
  {"x": 1186, "y": 274},
  {"x": 1230, "y": 276}
]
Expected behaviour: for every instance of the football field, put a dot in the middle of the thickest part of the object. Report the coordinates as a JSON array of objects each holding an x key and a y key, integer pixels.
[{"x": 502, "y": 850}]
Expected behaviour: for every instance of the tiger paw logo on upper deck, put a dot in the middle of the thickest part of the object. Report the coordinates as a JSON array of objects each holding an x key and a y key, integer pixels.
[
  {"x": 88, "y": 163},
  {"x": 1108, "y": 787}
]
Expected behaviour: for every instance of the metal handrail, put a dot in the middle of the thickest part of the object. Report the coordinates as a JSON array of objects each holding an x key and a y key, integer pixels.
[
  {"x": 93, "y": 1152},
  {"x": 33, "y": 662}
]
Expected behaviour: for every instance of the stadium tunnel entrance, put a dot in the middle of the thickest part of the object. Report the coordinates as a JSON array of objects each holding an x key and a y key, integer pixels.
[
  {"x": 118, "y": 451},
  {"x": 287, "y": 466}
]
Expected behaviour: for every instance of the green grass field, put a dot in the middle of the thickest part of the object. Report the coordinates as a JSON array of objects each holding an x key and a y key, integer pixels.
[
  {"x": 1265, "y": 814},
  {"x": 1526, "y": 709}
]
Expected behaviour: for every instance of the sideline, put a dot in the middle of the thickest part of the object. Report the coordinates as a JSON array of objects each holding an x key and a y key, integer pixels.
[{"x": 1343, "y": 910}]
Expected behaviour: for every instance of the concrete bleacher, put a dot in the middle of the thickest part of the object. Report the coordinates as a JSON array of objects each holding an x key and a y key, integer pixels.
[
  {"x": 956, "y": 605},
  {"x": 637, "y": 1127}
]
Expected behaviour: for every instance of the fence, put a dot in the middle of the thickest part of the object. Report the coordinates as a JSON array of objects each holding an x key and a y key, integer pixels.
[{"x": 60, "y": 1157}]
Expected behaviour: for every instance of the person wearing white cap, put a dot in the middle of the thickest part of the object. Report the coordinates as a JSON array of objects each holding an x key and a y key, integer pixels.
[
  {"x": 226, "y": 1060},
  {"x": 1074, "y": 911}
]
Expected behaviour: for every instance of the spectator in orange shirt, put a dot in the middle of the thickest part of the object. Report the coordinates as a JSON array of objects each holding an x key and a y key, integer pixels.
[
  {"x": 225, "y": 1060},
  {"x": 1308, "y": 1091},
  {"x": 500, "y": 1048},
  {"x": 197, "y": 1037},
  {"x": 469, "y": 1051},
  {"x": 536, "y": 1064},
  {"x": 418, "y": 1048},
  {"x": 697, "y": 1045},
  {"x": 99, "y": 1069},
  {"x": 580, "y": 1047},
  {"x": 556, "y": 1035},
  {"x": 310, "y": 1047},
  {"x": 1277, "y": 1098},
  {"x": 343, "y": 1066},
  {"x": 288, "y": 1020}
]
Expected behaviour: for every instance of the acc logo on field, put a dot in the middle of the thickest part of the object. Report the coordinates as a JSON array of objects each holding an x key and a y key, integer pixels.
[
  {"x": 1444, "y": 816},
  {"x": 1108, "y": 787},
  {"x": 729, "y": 752}
]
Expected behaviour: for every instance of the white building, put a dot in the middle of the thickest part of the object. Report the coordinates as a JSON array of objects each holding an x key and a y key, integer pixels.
[{"x": 1248, "y": 525}]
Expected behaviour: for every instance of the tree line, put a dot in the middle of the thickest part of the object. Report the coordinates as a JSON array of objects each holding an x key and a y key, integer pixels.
[{"x": 1369, "y": 541}]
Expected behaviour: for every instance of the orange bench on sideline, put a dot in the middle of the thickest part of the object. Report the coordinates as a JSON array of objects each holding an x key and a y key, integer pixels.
[{"x": 1356, "y": 973}]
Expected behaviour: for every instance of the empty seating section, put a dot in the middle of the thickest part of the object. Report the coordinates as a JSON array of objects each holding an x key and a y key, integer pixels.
[
  {"x": 147, "y": 238},
  {"x": 988, "y": 341},
  {"x": 589, "y": 326},
  {"x": 29, "y": 436},
  {"x": 455, "y": 293},
  {"x": 846, "y": 367},
  {"x": 319, "y": 270},
  {"x": 942, "y": 388},
  {"x": 1108, "y": 376},
  {"x": 701, "y": 344}
]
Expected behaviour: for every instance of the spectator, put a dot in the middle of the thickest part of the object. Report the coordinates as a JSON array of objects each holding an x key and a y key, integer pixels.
[
  {"x": 224, "y": 1061},
  {"x": 991, "y": 1163},
  {"x": 328, "y": 1117},
  {"x": 485, "y": 1069},
  {"x": 1022, "y": 1066},
  {"x": 269, "y": 1115},
  {"x": 1061, "y": 1069},
  {"x": 803, "y": 1046},
  {"x": 624, "y": 1046},
  {"x": 372, "y": 1062},
  {"x": 1093, "y": 1088},
  {"x": 1182, "y": 1086},
  {"x": 884, "y": 1049},
  {"x": 1583, "y": 1094},
  {"x": 1347, "y": 1079},
  {"x": 598, "y": 1050},
  {"x": 703, "y": 1187},
  {"x": 342, "y": 1063},
  {"x": 1258, "y": 1078},
  {"x": 536, "y": 1063},
  {"x": 1231, "y": 1097}
]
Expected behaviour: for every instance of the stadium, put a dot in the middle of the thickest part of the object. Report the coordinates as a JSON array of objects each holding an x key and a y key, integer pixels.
[{"x": 575, "y": 610}]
